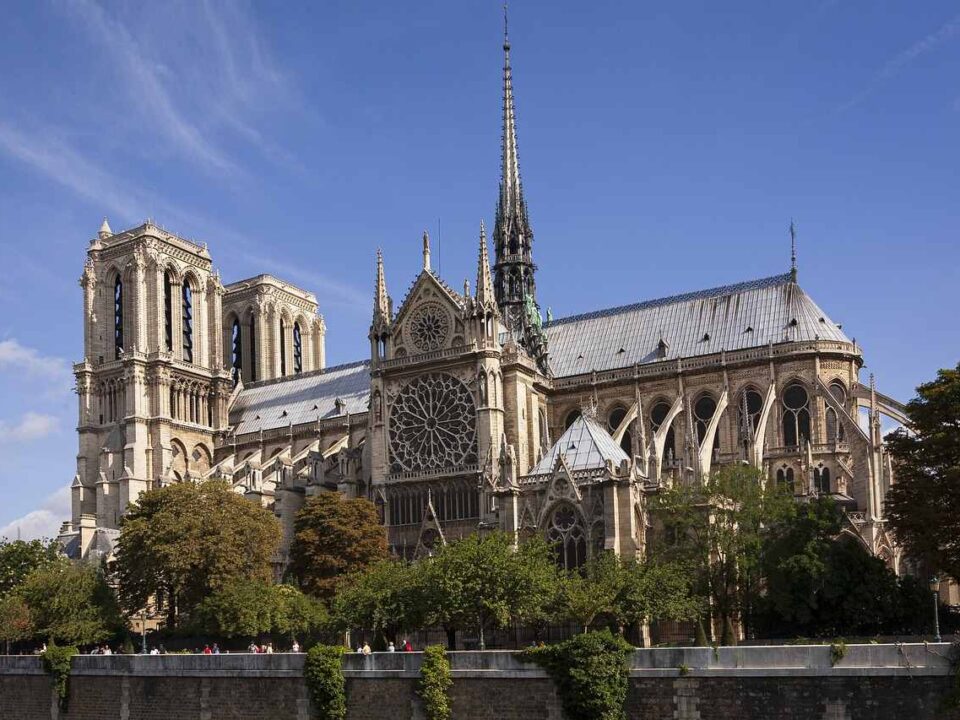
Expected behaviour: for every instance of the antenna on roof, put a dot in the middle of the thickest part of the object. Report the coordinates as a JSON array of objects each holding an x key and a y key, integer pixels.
[{"x": 793, "y": 251}]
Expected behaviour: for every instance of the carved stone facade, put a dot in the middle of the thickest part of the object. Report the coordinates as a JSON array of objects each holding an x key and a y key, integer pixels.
[{"x": 471, "y": 412}]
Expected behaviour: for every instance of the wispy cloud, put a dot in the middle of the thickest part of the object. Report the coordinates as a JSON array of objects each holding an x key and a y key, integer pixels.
[
  {"x": 32, "y": 426},
  {"x": 20, "y": 358},
  {"x": 43, "y": 522},
  {"x": 897, "y": 63}
]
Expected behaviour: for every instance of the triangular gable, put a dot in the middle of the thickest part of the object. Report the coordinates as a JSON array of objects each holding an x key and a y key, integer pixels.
[
  {"x": 431, "y": 533},
  {"x": 426, "y": 278},
  {"x": 584, "y": 445}
]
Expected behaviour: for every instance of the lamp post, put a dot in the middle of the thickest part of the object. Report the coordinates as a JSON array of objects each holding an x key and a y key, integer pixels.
[
  {"x": 143, "y": 630},
  {"x": 935, "y": 589}
]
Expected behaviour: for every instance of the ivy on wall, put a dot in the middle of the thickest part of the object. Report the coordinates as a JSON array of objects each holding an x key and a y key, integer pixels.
[
  {"x": 56, "y": 661},
  {"x": 323, "y": 673},
  {"x": 435, "y": 683},
  {"x": 591, "y": 672}
]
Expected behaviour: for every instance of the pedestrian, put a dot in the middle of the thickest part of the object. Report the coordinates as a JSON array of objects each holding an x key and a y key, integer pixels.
[
  {"x": 252, "y": 647},
  {"x": 360, "y": 649},
  {"x": 163, "y": 650},
  {"x": 391, "y": 647},
  {"x": 407, "y": 647},
  {"x": 295, "y": 647},
  {"x": 269, "y": 649},
  {"x": 154, "y": 651},
  {"x": 207, "y": 650},
  {"x": 107, "y": 650},
  {"x": 365, "y": 649},
  {"x": 216, "y": 649}
]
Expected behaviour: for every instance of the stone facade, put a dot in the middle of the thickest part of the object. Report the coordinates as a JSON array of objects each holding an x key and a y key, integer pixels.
[{"x": 471, "y": 412}]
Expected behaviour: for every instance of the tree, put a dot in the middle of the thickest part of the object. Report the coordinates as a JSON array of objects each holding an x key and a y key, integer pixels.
[
  {"x": 16, "y": 621},
  {"x": 483, "y": 581},
  {"x": 718, "y": 530},
  {"x": 334, "y": 537},
  {"x": 923, "y": 505},
  {"x": 386, "y": 598},
  {"x": 592, "y": 591},
  {"x": 71, "y": 603},
  {"x": 247, "y": 608},
  {"x": 18, "y": 558},
  {"x": 183, "y": 542}
]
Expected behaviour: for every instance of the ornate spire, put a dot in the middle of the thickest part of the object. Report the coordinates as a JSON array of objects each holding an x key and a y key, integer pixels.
[
  {"x": 381, "y": 301},
  {"x": 514, "y": 270},
  {"x": 485, "y": 293},
  {"x": 793, "y": 250},
  {"x": 426, "y": 251}
]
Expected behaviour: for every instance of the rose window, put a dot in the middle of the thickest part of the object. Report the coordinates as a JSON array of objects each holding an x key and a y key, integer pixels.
[
  {"x": 428, "y": 327},
  {"x": 433, "y": 425}
]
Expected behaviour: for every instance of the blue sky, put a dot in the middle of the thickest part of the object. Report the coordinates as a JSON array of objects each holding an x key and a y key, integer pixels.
[{"x": 664, "y": 148}]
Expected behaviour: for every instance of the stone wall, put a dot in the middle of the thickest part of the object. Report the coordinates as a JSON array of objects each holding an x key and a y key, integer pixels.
[{"x": 878, "y": 682}]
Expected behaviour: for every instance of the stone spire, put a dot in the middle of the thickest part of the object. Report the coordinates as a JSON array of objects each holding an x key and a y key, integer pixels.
[
  {"x": 485, "y": 294},
  {"x": 381, "y": 301},
  {"x": 514, "y": 271},
  {"x": 105, "y": 230},
  {"x": 426, "y": 251}
]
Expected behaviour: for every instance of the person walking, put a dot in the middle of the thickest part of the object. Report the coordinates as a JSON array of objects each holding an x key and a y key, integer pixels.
[
  {"x": 269, "y": 649},
  {"x": 366, "y": 649},
  {"x": 391, "y": 647},
  {"x": 207, "y": 650},
  {"x": 216, "y": 649},
  {"x": 295, "y": 648}
]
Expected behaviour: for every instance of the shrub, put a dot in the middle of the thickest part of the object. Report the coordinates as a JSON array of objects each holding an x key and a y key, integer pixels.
[
  {"x": 435, "y": 683},
  {"x": 591, "y": 672},
  {"x": 56, "y": 661},
  {"x": 838, "y": 650},
  {"x": 323, "y": 673}
]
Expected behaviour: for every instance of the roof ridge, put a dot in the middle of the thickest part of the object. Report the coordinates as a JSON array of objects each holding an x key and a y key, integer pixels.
[
  {"x": 300, "y": 376},
  {"x": 683, "y": 297}
]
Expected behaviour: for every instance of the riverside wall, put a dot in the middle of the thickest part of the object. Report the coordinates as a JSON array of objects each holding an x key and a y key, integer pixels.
[{"x": 879, "y": 682}]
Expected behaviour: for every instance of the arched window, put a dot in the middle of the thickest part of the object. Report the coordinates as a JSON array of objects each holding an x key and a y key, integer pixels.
[
  {"x": 118, "y": 318},
  {"x": 703, "y": 410},
  {"x": 751, "y": 405},
  {"x": 187, "y": 322},
  {"x": 796, "y": 415},
  {"x": 821, "y": 479},
  {"x": 297, "y": 349},
  {"x": 283, "y": 349},
  {"x": 168, "y": 310},
  {"x": 571, "y": 418},
  {"x": 658, "y": 414},
  {"x": 835, "y": 431},
  {"x": 236, "y": 351},
  {"x": 785, "y": 478},
  {"x": 566, "y": 534},
  {"x": 614, "y": 420},
  {"x": 253, "y": 348}
]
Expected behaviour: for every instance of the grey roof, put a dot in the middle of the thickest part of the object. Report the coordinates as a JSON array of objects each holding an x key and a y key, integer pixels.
[
  {"x": 732, "y": 317},
  {"x": 585, "y": 445},
  {"x": 301, "y": 398}
]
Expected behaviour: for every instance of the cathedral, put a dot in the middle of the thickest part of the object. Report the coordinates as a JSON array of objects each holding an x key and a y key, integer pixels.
[{"x": 472, "y": 412}]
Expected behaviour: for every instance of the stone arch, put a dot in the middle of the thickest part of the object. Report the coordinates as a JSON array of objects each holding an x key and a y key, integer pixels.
[
  {"x": 201, "y": 459},
  {"x": 179, "y": 461}
]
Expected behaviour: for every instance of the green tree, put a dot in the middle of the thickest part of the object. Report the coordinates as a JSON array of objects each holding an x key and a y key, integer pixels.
[
  {"x": 248, "y": 608},
  {"x": 483, "y": 581},
  {"x": 71, "y": 603},
  {"x": 16, "y": 621},
  {"x": 183, "y": 542},
  {"x": 923, "y": 504},
  {"x": 718, "y": 530},
  {"x": 19, "y": 558},
  {"x": 334, "y": 537},
  {"x": 592, "y": 591},
  {"x": 387, "y": 598}
]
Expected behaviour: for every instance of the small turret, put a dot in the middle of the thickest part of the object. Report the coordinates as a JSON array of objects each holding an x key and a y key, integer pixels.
[{"x": 105, "y": 230}]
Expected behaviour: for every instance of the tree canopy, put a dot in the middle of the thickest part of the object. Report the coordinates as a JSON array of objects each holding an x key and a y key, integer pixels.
[
  {"x": 19, "y": 558},
  {"x": 71, "y": 603},
  {"x": 183, "y": 542},
  {"x": 334, "y": 537},
  {"x": 248, "y": 608},
  {"x": 923, "y": 504},
  {"x": 387, "y": 598}
]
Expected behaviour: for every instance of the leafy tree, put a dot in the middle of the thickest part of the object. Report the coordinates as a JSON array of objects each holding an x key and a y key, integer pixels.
[
  {"x": 247, "y": 608},
  {"x": 586, "y": 594},
  {"x": 184, "y": 542},
  {"x": 18, "y": 558},
  {"x": 822, "y": 583},
  {"x": 719, "y": 528},
  {"x": 387, "y": 598},
  {"x": 923, "y": 505},
  {"x": 71, "y": 603},
  {"x": 482, "y": 581},
  {"x": 16, "y": 621},
  {"x": 334, "y": 537}
]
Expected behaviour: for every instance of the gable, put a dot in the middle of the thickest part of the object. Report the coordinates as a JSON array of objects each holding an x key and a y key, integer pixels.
[{"x": 430, "y": 318}]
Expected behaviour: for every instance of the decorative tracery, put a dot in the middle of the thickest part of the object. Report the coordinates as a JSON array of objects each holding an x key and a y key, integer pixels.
[
  {"x": 433, "y": 425},
  {"x": 428, "y": 327},
  {"x": 565, "y": 532}
]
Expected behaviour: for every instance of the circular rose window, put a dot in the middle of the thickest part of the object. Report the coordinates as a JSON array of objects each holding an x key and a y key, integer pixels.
[{"x": 428, "y": 327}]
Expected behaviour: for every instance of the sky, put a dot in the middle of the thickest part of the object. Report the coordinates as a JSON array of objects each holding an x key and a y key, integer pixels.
[{"x": 664, "y": 147}]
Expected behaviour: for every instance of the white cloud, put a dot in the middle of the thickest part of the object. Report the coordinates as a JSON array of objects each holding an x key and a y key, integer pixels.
[
  {"x": 20, "y": 358},
  {"x": 43, "y": 522},
  {"x": 32, "y": 426}
]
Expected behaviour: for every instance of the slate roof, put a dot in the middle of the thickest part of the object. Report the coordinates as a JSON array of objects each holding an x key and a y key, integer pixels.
[
  {"x": 732, "y": 317},
  {"x": 302, "y": 398},
  {"x": 585, "y": 445}
]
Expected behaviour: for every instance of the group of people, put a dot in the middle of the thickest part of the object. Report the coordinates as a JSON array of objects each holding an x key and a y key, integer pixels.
[{"x": 405, "y": 646}]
